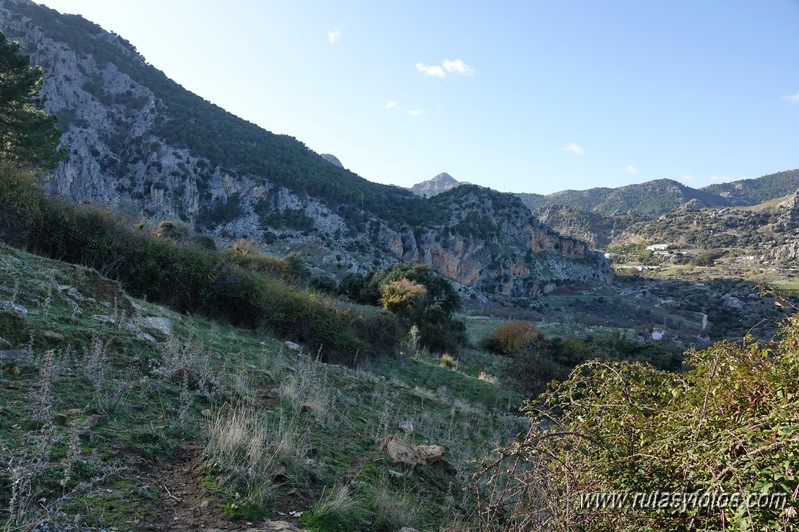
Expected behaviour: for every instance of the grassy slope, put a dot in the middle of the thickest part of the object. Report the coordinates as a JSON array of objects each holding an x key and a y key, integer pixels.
[{"x": 96, "y": 424}]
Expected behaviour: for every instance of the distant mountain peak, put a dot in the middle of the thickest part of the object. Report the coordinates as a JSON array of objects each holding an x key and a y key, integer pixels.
[
  {"x": 444, "y": 177},
  {"x": 432, "y": 187}
]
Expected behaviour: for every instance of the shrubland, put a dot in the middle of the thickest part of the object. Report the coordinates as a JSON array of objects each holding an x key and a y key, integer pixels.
[
  {"x": 239, "y": 286},
  {"x": 536, "y": 359},
  {"x": 724, "y": 427}
]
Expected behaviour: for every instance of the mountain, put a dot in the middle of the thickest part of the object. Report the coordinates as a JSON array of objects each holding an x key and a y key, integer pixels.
[
  {"x": 652, "y": 198},
  {"x": 768, "y": 232},
  {"x": 440, "y": 183},
  {"x": 754, "y": 191},
  {"x": 138, "y": 142},
  {"x": 600, "y": 215},
  {"x": 598, "y": 230}
]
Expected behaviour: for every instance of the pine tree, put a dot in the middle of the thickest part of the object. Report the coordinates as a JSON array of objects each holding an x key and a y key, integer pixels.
[{"x": 28, "y": 135}]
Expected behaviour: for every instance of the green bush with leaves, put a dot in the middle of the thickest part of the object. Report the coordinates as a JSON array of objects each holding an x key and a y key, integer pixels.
[
  {"x": 404, "y": 297},
  {"x": 398, "y": 289},
  {"x": 727, "y": 425}
]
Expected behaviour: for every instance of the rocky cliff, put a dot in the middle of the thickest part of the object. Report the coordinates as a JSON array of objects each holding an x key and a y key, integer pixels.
[
  {"x": 440, "y": 183},
  {"x": 491, "y": 242},
  {"x": 140, "y": 143}
]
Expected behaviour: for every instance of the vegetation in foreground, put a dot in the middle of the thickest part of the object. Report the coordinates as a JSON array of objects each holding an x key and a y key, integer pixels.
[
  {"x": 724, "y": 432},
  {"x": 102, "y": 396}
]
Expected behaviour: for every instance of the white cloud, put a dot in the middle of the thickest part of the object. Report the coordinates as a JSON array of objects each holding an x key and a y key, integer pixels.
[
  {"x": 446, "y": 67},
  {"x": 722, "y": 179},
  {"x": 391, "y": 105},
  {"x": 431, "y": 70},
  {"x": 687, "y": 179},
  {"x": 457, "y": 66},
  {"x": 792, "y": 99},
  {"x": 574, "y": 148},
  {"x": 334, "y": 36},
  {"x": 416, "y": 112},
  {"x": 631, "y": 169}
]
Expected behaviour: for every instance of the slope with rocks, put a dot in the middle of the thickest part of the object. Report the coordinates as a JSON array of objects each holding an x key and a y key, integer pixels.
[
  {"x": 142, "y": 144},
  {"x": 600, "y": 215},
  {"x": 120, "y": 414},
  {"x": 754, "y": 191},
  {"x": 491, "y": 242},
  {"x": 766, "y": 233}
]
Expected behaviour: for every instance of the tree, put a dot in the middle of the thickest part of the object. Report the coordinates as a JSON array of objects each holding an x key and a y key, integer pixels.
[
  {"x": 28, "y": 135},
  {"x": 404, "y": 297}
]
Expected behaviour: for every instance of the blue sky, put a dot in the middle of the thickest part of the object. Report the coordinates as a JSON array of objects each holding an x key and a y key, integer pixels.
[{"x": 520, "y": 96}]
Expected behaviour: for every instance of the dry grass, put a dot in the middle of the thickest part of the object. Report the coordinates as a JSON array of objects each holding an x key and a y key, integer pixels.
[
  {"x": 239, "y": 447},
  {"x": 309, "y": 388},
  {"x": 398, "y": 509},
  {"x": 338, "y": 506},
  {"x": 491, "y": 379},
  {"x": 243, "y": 446},
  {"x": 448, "y": 361}
]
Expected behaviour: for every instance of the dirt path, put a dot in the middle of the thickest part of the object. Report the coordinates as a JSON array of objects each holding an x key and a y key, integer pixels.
[{"x": 184, "y": 503}]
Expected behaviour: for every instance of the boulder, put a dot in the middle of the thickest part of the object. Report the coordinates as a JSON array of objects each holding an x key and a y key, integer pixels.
[
  {"x": 160, "y": 324},
  {"x": 52, "y": 336},
  {"x": 292, "y": 346},
  {"x": 429, "y": 453},
  {"x": 276, "y": 526},
  {"x": 399, "y": 451},
  {"x": 103, "y": 318},
  {"x": 407, "y": 428},
  {"x": 10, "y": 305},
  {"x": 15, "y": 354}
]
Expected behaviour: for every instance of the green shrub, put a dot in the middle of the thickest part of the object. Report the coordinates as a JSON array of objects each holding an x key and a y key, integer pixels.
[
  {"x": 726, "y": 425},
  {"x": 174, "y": 230},
  {"x": 220, "y": 213},
  {"x": 404, "y": 297},
  {"x": 21, "y": 200},
  {"x": 323, "y": 284},
  {"x": 399, "y": 290},
  {"x": 382, "y": 330}
]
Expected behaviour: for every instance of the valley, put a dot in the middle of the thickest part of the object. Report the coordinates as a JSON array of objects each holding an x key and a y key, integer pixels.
[{"x": 208, "y": 325}]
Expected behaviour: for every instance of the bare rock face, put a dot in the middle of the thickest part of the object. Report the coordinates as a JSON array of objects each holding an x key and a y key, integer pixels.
[
  {"x": 332, "y": 159},
  {"x": 492, "y": 243},
  {"x": 787, "y": 252},
  {"x": 432, "y": 187}
]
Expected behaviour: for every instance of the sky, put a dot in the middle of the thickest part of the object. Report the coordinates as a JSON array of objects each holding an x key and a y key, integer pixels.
[{"x": 520, "y": 96}]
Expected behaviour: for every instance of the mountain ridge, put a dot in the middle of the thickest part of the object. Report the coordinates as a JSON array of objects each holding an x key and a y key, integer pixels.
[
  {"x": 599, "y": 215},
  {"x": 140, "y": 143}
]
